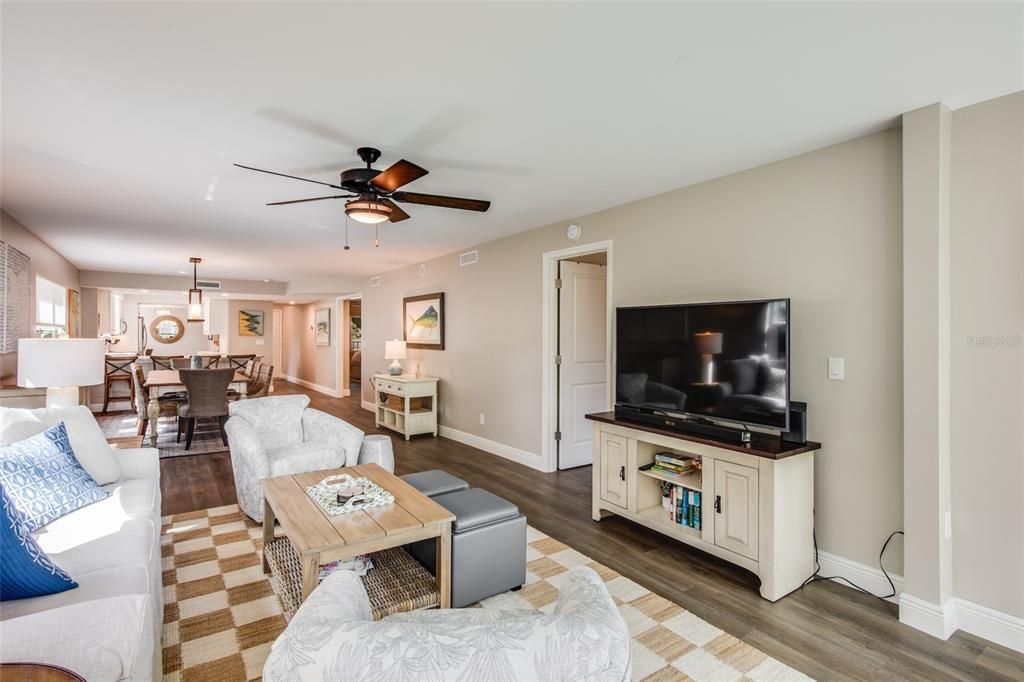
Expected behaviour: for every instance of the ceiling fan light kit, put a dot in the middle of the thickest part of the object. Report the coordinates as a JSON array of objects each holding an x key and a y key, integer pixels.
[
  {"x": 368, "y": 211},
  {"x": 373, "y": 193}
]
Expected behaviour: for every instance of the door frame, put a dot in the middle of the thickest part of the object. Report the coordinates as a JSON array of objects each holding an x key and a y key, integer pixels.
[
  {"x": 341, "y": 355},
  {"x": 549, "y": 331}
]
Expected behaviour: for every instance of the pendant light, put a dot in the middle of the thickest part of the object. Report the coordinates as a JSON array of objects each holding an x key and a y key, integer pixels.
[{"x": 195, "y": 295}]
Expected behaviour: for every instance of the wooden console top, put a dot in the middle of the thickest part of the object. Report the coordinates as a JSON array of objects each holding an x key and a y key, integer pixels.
[{"x": 762, "y": 445}]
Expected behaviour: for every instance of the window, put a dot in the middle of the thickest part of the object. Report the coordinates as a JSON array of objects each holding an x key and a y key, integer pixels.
[{"x": 51, "y": 309}]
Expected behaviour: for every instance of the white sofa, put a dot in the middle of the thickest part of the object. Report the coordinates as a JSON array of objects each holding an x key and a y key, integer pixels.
[
  {"x": 334, "y": 637},
  {"x": 109, "y": 627},
  {"x": 282, "y": 435}
]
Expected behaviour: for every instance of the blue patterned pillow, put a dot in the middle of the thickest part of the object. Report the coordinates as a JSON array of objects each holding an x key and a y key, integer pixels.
[
  {"x": 25, "y": 570},
  {"x": 44, "y": 479}
]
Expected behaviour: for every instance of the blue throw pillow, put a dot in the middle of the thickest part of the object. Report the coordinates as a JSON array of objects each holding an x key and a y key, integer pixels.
[
  {"x": 25, "y": 570},
  {"x": 44, "y": 479}
]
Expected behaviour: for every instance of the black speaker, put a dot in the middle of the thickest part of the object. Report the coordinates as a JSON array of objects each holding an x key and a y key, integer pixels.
[{"x": 797, "y": 424}]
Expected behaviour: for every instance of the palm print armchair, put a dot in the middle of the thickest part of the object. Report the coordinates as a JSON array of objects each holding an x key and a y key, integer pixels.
[
  {"x": 333, "y": 637},
  {"x": 282, "y": 435}
]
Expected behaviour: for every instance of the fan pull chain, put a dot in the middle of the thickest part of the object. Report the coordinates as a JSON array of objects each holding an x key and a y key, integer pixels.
[
  {"x": 376, "y": 236},
  {"x": 346, "y": 233}
]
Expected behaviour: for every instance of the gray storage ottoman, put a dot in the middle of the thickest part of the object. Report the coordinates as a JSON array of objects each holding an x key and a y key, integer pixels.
[
  {"x": 488, "y": 546},
  {"x": 434, "y": 482}
]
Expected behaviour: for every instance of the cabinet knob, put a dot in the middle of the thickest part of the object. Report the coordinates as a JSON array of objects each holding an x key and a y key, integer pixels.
[
  {"x": 622, "y": 473},
  {"x": 718, "y": 504}
]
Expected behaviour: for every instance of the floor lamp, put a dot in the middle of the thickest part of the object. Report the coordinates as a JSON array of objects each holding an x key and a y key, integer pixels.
[{"x": 60, "y": 366}]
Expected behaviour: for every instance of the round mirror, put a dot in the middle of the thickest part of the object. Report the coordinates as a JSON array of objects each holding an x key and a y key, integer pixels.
[{"x": 166, "y": 329}]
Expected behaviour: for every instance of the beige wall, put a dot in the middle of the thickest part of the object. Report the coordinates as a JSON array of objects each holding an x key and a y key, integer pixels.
[
  {"x": 988, "y": 380},
  {"x": 822, "y": 228},
  {"x": 46, "y": 263},
  {"x": 236, "y": 344},
  {"x": 301, "y": 357}
]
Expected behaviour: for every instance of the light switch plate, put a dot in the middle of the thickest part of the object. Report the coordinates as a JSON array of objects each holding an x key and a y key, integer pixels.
[
  {"x": 259, "y": 342},
  {"x": 837, "y": 369}
]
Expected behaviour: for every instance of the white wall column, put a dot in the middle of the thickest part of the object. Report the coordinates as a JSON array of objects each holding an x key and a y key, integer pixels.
[{"x": 926, "y": 602}]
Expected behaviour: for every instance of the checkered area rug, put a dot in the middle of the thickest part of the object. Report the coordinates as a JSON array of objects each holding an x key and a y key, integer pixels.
[{"x": 222, "y": 615}]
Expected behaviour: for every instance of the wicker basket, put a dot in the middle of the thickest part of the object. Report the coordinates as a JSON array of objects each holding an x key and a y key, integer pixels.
[{"x": 395, "y": 584}]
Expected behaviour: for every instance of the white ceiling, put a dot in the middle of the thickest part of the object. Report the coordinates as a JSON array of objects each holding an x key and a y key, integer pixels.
[{"x": 121, "y": 120}]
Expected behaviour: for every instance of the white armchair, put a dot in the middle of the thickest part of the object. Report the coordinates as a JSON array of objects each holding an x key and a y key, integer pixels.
[
  {"x": 333, "y": 637},
  {"x": 281, "y": 435}
]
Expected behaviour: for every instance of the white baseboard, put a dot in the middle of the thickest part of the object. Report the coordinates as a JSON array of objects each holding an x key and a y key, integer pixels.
[
  {"x": 960, "y": 614},
  {"x": 937, "y": 620},
  {"x": 495, "y": 448},
  {"x": 316, "y": 387},
  {"x": 367, "y": 405},
  {"x": 870, "y": 578},
  {"x": 995, "y": 626}
]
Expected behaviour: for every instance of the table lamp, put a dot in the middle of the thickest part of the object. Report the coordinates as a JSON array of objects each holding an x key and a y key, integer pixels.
[
  {"x": 394, "y": 351},
  {"x": 708, "y": 344},
  {"x": 60, "y": 366}
]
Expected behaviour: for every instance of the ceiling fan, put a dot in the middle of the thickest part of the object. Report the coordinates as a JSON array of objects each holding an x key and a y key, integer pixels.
[{"x": 373, "y": 193}]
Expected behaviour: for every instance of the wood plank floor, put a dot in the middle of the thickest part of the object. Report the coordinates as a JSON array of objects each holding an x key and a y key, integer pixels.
[{"x": 827, "y": 631}]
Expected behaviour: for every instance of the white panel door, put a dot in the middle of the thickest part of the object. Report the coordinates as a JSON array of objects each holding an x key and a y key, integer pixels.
[{"x": 583, "y": 379}]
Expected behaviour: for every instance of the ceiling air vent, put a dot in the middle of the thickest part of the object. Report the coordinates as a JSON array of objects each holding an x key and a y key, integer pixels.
[
  {"x": 375, "y": 281},
  {"x": 469, "y": 258},
  {"x": 207, "y": 284}
]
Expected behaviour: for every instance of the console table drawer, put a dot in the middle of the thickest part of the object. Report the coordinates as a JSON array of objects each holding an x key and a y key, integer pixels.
[{"x": 391, "y": 387}]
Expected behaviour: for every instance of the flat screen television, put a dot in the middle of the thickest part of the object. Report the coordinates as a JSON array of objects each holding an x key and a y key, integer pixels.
[{"x": 721, "y": 361}]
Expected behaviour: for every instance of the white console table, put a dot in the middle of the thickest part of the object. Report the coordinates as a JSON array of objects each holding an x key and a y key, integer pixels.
[
  {"x": 757, "y": 498},
  {"x": 418, "y": 396}
]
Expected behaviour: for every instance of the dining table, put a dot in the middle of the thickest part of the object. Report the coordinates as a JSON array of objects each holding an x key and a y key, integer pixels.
[{"x": 163, "y": 381}]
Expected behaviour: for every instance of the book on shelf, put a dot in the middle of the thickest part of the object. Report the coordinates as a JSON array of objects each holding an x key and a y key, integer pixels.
[{"x": 685, "y": 507}]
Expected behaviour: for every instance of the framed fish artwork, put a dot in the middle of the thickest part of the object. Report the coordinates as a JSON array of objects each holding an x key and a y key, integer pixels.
[{"x": 424, "y": 321}]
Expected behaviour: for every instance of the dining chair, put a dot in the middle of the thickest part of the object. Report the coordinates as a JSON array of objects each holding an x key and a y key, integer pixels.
[
  {"x": 117, "y": 370},
  {"x": 238, "y": 362},
  {"x": 207, "y": 391},
  {"x": 166, "y": 361},
  {"x": 210, "y": 361},
  {"x": 168, "y": 402},
  {"x": 260, "y": 388},
  {"x": 249, "y": 367}
]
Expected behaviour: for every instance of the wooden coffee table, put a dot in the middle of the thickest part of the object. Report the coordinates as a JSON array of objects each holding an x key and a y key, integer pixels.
[{"x": 319, "y": 539}]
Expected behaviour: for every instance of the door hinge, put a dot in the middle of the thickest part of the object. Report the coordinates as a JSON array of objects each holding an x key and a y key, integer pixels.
[
  {"x": 558, "y": 283},
  {"x": 558, "y": 435},
  {"x": 558, "y": 360}
]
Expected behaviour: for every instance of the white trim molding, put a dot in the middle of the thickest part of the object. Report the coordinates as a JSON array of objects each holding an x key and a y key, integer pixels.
[
  {"x": 870, "y": 578},
  {"x": 549, "y": 325},
  {"x": 960, "y": 614},
  {"x": 495, "y": 448},
  {"x": 995, "y": 626},
  {"x": 334, "y": 393},
  {"x": 937, "y": 620},
  {"x": 367, "y": 405}
]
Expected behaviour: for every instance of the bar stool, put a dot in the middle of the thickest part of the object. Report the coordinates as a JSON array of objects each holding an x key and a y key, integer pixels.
[{"x": 118, "y": 369}]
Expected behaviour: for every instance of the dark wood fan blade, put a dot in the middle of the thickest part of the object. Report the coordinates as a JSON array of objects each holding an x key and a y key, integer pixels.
[
  {"x": 285, "y": 175},
  {"x": 397, "y": 214},
  {"x": 299, "y": 201},
  {"x": 400, "y": 173},
  {"x": 444, "y": 202}
]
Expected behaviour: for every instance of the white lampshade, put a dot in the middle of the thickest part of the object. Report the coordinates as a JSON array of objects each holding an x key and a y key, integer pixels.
[
  {"x": 708, "y": 342},
  {"x": 45, "y": 363},
  {"x": 394, "y": 350}
]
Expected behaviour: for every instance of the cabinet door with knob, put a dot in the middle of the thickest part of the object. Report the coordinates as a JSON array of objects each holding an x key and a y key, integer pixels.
[
  {"x": 735, "y": 508},
  {"x": 613, "y": 466}
]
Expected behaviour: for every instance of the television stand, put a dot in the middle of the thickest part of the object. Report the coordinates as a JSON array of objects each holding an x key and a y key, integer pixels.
[{"x": 756, "y": 499}]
